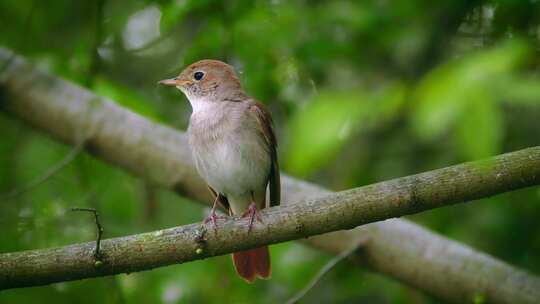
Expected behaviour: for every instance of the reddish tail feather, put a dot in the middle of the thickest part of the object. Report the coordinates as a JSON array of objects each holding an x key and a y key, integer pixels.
[{"x": 252, "y": 263}]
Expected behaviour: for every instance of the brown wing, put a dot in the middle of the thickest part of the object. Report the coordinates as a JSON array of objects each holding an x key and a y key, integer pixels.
[
  {"x": 267, "y": 129},
  {"x": 222, "y": 199}
]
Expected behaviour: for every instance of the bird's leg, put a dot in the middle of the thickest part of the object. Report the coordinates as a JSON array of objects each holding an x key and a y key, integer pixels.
[
  {"x": 252, "y": 212},
  {"x": 213, "y": 216}
]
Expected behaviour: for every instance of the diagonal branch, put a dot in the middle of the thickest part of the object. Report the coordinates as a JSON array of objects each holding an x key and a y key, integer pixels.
[
  {"x": 337, "y": 211},
  {"x": 38, "y": 181},
  {"x": 398, "y": 248}
]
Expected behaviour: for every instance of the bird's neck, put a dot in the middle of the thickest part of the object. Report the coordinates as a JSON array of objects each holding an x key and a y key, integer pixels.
[
  {"x": 216, "y": 102},
  {"x": 203, "y": 105}
]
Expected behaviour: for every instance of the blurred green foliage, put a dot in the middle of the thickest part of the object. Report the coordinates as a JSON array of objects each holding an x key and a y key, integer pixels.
[{"x": 361, "y": 91}]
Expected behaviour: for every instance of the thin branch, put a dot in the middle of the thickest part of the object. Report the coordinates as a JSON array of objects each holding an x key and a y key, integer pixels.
[
  {"x": 324, "y": 270},
  {"x": 45, "y": 176},
  {"x": 397, "y": 248},
  {"x": 99, "y": 230}
]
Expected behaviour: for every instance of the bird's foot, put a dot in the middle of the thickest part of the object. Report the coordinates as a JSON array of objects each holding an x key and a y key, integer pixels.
[
  {"x": 253, "y": 213},
  {"x": 213, "y": 217}
]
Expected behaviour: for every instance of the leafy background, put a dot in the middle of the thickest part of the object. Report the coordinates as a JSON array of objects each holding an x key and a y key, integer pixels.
[{"x": 361, "y": 91}]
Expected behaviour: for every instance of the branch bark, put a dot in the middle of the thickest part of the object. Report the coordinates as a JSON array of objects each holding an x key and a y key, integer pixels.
[{"x": 398, "y": 248}]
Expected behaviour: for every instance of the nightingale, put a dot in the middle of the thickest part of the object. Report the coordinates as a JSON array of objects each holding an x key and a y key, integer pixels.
[{"x": 234, "y": 146}]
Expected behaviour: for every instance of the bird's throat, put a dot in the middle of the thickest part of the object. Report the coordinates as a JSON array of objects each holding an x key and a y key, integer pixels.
[{"x": 202, "y": 104}]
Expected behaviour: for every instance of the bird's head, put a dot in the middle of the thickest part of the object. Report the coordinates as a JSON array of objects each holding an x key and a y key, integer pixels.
[{"x": 206, "y": 80}]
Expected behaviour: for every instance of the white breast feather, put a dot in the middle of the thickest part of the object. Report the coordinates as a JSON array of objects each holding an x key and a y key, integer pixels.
[{"x": 229, "y": 151}]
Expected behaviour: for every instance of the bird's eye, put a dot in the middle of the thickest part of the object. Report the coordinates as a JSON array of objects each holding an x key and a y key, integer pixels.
[{"x": 198, "y": 75}]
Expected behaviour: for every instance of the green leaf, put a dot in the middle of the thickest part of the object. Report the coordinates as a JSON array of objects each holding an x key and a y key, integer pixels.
[
  {"x": 320, "y": 129},
  {"x": 443, "y": 96},
  {"x": 479, "y": 130}
]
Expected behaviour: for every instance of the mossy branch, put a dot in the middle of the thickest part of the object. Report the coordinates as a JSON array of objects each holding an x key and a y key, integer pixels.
[{"x": 337, "y": 211}]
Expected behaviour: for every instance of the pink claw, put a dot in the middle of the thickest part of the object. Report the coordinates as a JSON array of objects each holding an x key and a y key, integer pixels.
[
  {"x": 213, "y": 217},
  {"x": 253, "y": 213}
]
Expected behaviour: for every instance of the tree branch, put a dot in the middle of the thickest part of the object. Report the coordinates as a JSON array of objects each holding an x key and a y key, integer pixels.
[
  {"x": 36, "y": 182},
  {"x": 341, "y": 210},
  {"x": 324, "y": 270},
  {"x": 99, "y": 232},
  {"x": 399, "y": 248}
]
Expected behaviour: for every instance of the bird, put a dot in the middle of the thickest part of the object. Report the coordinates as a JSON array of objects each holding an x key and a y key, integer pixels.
[{"x": 234, "y": 147}]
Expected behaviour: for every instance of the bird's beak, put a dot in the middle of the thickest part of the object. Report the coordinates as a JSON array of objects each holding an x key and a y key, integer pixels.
[{"x": 174, "y": 82}]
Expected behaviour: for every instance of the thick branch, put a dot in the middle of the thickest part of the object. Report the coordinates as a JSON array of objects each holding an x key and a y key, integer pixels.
[
  {"x": 341, "y": 210},
  {"x": 401, "y": 249}
]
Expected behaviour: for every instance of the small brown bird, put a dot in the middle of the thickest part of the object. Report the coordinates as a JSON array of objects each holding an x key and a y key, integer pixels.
[{"x": 234, "y": 147}]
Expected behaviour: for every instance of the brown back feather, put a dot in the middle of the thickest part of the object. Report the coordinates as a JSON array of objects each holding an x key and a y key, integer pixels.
[{"x": 267, "y": 128}]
